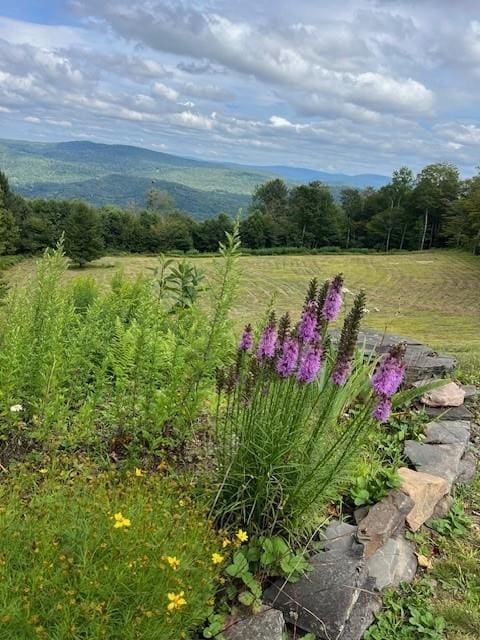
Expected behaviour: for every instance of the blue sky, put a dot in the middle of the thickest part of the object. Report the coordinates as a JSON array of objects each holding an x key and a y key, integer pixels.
[{"x": 358, "y": 86}]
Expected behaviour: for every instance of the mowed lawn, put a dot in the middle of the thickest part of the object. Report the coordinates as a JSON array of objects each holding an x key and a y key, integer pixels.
[{"x": 433, "y": 296}]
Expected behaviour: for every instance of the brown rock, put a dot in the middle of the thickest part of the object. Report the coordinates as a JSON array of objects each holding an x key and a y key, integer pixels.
[
  {"x": 450, "y": 395},
  {"x": 425, "y": 490},
  {"x": 383, "y": 519}
]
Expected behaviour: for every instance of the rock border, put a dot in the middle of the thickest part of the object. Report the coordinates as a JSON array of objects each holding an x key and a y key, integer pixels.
[{"x": 338, "y": 599}]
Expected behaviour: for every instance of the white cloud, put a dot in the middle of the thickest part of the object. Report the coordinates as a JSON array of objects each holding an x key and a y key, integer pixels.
[
  {"x": 161, "y": 90},
  {"x": 364, "y": 85}
]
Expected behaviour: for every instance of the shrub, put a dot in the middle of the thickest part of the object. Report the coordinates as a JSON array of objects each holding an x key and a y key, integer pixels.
[
  {"x": 98, "y": 557},
  {"x": 134, "y": 365},
  {"x": 293, "y": 410}
]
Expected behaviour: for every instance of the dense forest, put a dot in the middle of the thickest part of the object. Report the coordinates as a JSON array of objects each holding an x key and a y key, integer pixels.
[{"x": 433, "y": 209}]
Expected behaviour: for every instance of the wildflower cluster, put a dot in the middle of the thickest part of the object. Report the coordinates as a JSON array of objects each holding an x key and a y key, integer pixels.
[
  {"x": 278, "y": 404},
  {"x": 387, "y": 379},
  {"x": 298, "y": 352}
]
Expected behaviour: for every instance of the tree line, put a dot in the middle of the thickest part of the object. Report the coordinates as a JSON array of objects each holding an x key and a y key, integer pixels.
[{"x": 432, "y": 209}]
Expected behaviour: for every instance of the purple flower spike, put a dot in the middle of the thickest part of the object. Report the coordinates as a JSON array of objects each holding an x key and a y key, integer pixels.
[
  {"x": 341, "y": 372},
  {"x": 268, "y": 341},
  {"x": 383, "y": 410},
  {"x": 310, "y": 364},
  {"x": 333, "y": 301},
  {"x": 308, "y": 323},
  {"x": 389, "y": 374},
  {"x": 288, "y": 360},
  {"x": 246, "y": 341}
]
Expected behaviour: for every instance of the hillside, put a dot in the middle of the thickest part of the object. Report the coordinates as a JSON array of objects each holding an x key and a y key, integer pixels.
[{"x": 120, "y": 174}]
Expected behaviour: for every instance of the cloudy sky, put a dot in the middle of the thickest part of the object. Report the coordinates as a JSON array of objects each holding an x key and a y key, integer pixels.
[{"x": 353, "y": 86}]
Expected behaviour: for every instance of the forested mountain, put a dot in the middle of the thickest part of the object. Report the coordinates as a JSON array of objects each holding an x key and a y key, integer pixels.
[{"x": 119, "y": 174}]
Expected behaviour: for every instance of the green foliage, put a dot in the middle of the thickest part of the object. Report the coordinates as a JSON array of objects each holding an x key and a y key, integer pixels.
[
  {"x": 455, "y": 523},
  {"x": 122, "y": 369},
  {"x": 407, "y": 614},
  {"x": 182, "y": 282},
  {"x": 68, "y": 572},
  {"x": 262, "y": 557},
  {"x": 374, "y": 485}
]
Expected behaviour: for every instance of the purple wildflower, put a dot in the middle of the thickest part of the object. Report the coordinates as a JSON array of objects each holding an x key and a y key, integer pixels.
[
  {"x": 268, "y": 341},
  {"x": 310, "y": 364},
  {"x": 341, "y": 372},
  {"x": 389, "y": 373},
  {"x": 288, "y": 359},
  {"x": 308, "y": 323},
  {"x": 246, "y": 341},
  {"x": 383, "y": 409},
  {"x": 333, "y": 300}
]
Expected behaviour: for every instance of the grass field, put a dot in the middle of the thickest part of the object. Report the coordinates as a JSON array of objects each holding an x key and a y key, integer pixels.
[{"x": 433, "y": 296}]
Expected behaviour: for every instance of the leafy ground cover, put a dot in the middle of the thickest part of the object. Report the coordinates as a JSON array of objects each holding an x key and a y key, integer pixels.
[
  {"x": 91, "y": 553},
  {"x": 432, "y": 296}
]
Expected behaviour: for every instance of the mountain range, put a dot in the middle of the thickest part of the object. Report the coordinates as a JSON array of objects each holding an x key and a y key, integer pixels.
[{"x": 121, "y": 174}]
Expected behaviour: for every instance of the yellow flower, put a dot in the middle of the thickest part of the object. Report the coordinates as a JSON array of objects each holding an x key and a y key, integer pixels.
[
  {"x": 121, "y": 521},
  {"x": 139, "y": 473},
  {"x": 181, "y": 503},
  {"x": 226, "y": 542},
  {"x": 176, "y": 601},
  {"x": 241, "y": 535},
  {"x": 43, "y": 471},
  {"x": 217, "y": 558},
  {"x": 173, "y": 561}
]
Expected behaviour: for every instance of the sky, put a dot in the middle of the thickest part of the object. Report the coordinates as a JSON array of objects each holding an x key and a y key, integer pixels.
[{"x": 355, "y": 86}]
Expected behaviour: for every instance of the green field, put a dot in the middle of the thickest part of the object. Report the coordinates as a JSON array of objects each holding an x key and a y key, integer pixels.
[{"x": 433, "y": 296}]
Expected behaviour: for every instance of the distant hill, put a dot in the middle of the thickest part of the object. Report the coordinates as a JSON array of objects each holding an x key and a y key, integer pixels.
[
  {"x": 121, "y": 174},
  {"x": 298, "y": 174}
]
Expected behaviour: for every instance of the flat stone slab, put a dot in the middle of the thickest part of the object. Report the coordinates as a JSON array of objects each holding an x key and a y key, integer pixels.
[
  {"x": 383, "y": 520},
  {"x": 268, "y": 625},
  {"x": 453, "y": 413},
  {"x": 467, "y": 469},
  {"x": 393, "y": 563},
  {"x": 442, "y": 460},
  {"x": 448, "y": 432},
  {"x": 334, "y": 600},
  {"x": 425, "y": 490},
  {"x": 421, "y": 360}
]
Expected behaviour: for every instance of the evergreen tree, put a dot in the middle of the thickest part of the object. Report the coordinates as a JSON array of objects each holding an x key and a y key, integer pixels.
[{"x": 83, "y": 234}]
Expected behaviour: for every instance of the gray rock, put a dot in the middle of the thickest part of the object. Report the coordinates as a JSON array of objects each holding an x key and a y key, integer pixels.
[
  {"x": 363, "y": 613},
  {"x": 422, "y": 361},
  {"x": 442, "y": 460},
  {"x": 448, "y": 432},
  {"x": 334, "y": 600},
  {"x": 452, "y": 413},
  {"x": 442, "y": 509},
  {"x": 393, "y": 563},
  {"x": 339, "y": 535},
  {"x": 383, "y": 520},
  {"x": 360, "y": 513},
  {"x": 467, "y": 469},
  {"x": 268, "y": 625},
  {"x": 471, "y": 391}
]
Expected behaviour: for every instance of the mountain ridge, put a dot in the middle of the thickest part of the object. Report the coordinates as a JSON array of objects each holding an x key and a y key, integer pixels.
[{"x": 93, "y": 171}]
